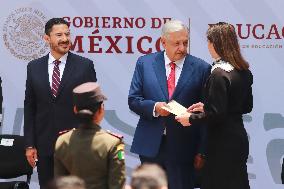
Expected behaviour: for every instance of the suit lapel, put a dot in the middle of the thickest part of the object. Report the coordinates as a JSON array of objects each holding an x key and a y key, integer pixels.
[
  {"x": 185, "y": 76},
  {"x": 44, "y": 74},
  {"x": 67, "y": 73},
  {"x": 160, "y": 71}
]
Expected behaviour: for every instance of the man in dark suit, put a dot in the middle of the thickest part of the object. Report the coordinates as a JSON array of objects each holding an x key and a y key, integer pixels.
[
  {"x": 48, "y": 97},
  {"x": 1, "y": 101},
  {"x": 158, "y": 78},
  {"x": 282, "y": 171}
]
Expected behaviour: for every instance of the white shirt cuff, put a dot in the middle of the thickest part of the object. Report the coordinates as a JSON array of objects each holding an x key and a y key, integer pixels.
[{"x": 155, "y": 114}]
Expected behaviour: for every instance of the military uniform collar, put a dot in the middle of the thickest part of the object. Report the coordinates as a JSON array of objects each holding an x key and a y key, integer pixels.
[{"x": 92, "y": 126}]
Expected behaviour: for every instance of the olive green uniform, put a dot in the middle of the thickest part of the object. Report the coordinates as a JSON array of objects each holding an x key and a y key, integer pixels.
[{"x": 94, "y": 155}]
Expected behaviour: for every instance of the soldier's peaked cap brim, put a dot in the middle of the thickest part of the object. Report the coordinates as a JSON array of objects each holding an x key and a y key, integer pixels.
[{"x": 88, "y": 94}]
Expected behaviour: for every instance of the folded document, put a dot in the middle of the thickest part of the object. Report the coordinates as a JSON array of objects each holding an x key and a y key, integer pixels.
[{"x": 175, "y": 108}]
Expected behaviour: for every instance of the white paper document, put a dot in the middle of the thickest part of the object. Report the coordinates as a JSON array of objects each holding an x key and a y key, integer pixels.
[
  {"x": 7, "y": 142},
  {"x": 175, "y": 108}
]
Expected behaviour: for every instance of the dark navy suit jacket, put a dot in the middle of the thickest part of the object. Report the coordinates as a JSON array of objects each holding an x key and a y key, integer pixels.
[
  {"x": 148, "y": 86},
  {"x": 46, "y": 116},
  {"x": 1, "y": 97}
]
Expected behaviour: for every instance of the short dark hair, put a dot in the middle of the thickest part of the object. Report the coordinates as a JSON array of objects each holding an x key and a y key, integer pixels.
[
  {"x": 148, "y": 176},
  {"x": 53, "y": 21}
]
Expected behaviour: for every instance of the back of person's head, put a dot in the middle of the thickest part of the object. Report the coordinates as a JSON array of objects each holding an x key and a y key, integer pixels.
[
  {"x": 88, "y": 100},
  {"x": 225, "y": 42},
  {"x": 53, "y": 21},
  {"x": 67, "y": 182},
  {"x": 149, "y": 176},
  {"x": 173, "y": 26}
]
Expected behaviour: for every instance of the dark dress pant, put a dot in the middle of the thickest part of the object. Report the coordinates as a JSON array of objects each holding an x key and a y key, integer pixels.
[
  {"x": 179, "y": 175},
  {"x": 45, "y": 170}
]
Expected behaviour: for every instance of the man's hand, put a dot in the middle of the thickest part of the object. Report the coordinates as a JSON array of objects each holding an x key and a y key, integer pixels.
[
  {"x": 198, "y": 161},
  {"x": 184, "y": 119},
  {"x": 160, "y": 111},
  {"x": 31, "y": 154},
  {"x": 198, "y": 107}
]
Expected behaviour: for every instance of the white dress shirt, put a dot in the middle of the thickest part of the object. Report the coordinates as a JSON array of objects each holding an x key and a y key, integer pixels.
[
  {"x": 51, "y": 65},
  {"x": 178, "y": 69},
  {"x": 179, "y": 65}
]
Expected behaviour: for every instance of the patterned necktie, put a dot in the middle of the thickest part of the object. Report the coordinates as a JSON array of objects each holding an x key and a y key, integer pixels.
[
  {"x": 55, "y": 78},
  {"x": 171, "y": 79}
]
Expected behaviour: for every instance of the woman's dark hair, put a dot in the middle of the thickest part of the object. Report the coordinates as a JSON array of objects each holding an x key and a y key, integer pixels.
[
  {"x": 225, "y": 42},
  {"x": 85, "y": 114},
  {"x": 54, "y": 21}
]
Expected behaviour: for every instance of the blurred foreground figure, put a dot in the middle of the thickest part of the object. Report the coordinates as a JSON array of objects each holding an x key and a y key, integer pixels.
[
  {"x": 67, "y": 182},
  {"x": 148, "y": 176}
]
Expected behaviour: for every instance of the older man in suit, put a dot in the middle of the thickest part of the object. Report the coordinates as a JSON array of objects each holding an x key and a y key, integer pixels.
[
  {"x": 48, "y": 97},
  {"x": 158, "y": 78}
]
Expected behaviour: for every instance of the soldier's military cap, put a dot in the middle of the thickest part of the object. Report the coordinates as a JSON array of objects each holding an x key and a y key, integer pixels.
[{"x": 87, "y": 95}]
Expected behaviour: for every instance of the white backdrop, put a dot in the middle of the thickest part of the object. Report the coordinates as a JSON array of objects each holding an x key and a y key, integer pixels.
[{"x": 115, "y": 33}]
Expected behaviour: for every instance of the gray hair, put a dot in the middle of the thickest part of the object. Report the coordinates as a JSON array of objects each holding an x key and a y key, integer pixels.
[
  {"x": 67, "y": 182},
  {"x": 173, "y": 26},
  {"x": 148, "y": 176}
]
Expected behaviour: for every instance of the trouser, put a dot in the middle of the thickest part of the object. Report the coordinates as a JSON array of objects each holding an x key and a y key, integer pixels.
[
  {"x": 180, "y": 175},
  {"x": 45, "y": 170}
]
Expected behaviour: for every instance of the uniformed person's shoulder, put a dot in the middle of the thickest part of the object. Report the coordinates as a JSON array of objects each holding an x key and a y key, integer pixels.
[
  {"x": 118, "y": 145},
  {"x": 66, "y": 131},
  {"x": 110, "y": 137},
  {"x": 115, "y": 134},
  {"x": 64, "y": 136},
  {"x": 111, "y": 142}
]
